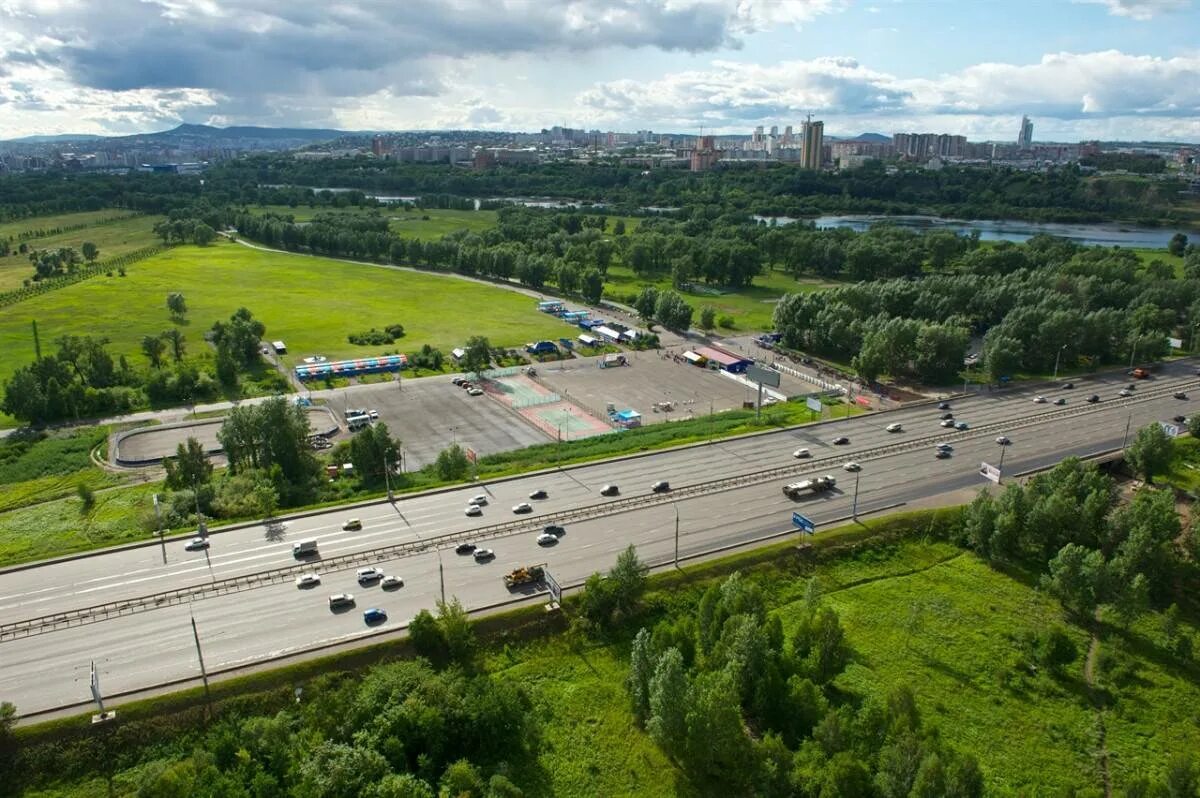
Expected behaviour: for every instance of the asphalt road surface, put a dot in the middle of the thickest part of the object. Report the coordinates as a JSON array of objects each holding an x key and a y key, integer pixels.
[{"x": 49, "y": 669}]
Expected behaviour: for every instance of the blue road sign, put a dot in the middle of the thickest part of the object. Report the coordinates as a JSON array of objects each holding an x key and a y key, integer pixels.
[{"x": 805, "y": 525}]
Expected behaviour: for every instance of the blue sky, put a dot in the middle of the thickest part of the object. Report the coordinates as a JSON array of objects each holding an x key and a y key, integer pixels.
[{"x": 1126, "y": 69}]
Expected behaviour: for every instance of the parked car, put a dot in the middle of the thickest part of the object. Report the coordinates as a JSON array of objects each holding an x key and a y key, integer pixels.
[
  {"x": 662, "y": 486},
  {"x": 1180, "y": 419},
  {"x": 340, "y": 600},
  {"x": 473, "y": 391},
  {"x": 391, "y": 582},
  {"x": 374, "y": 615},
  {"x": 895, "y": 426},
  {"x": 473, "y": 510},
  {"x": 308, "y": 580},
  {"x": 546, "y": 539},
  {"x": 483, "y": 555},
  {"x": 523, "y": 507},
  {"x": 852, "y": 466},
  {"x": 841, "y": 441},
  {"x": 352, "y": 524},
  {"x": 1003, "y": 440},
  {"x": 197, "y": 544},
  {"x": 538, "y": 494},
  {"x": 800, "y": 454},
  {"x": 368, "y": 575},
  {"x": 555, "y": 529},
  {"x": 609, "y": 490},
  {"x": 464, "y": 548},
  {"x": 457, "y": 381},
  {"x": 1039, "y": 400}
]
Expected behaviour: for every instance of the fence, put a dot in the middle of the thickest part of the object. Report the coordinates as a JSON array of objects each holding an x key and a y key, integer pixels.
[
  {"x": 509, "y": 371},
  {"x": 534, "y": 401},
  {"x": 801, "y": 375}
]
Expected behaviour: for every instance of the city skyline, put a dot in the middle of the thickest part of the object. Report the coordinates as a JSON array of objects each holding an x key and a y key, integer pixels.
[{"x": 1094, "y": 69}]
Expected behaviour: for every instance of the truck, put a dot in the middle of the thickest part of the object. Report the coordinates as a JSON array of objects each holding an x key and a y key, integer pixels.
[
  {"x": 541, "y": 347},
  {"x": 794, "y": 490},
  {"x": 525, "y": 575},
  {"x": 304, "y": 548},
  {"x": 1140, "y": 373}
]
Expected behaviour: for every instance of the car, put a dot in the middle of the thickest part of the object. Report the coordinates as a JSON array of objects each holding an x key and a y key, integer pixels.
[
  {"x": 483, "y": 555},
  {"x": 1179, "y": 395},
  {"x": 947, "y": 423},
  {"x": 373, "y": 414},
  {"x": 473, "y": 391},
  {"x": 480, "y": 498},
  {"x": 308, "y": 580},
  {"x": 945, "y": 447},
  {"x": 1039, "y": 400},
  {"x": 609, "y": 490},
  {"x": 466, "y": 385},
  {"x": 1180, "y": 419},
  {"x": 1060, "y": 401},
  {"x": 895, "y": 426},
  {"x": 374, "y": 615},
  {"x": 945, "y": 416},
  {"x": 523, "y": 507},
  {"x": 555, "y": 529},
  {"x": 943, "y": 405},
  {"x": 1124, "y": 392},
  {"x": 1003, "y": 440},
  {"x": 391, "y": 582},
  {"x": 352, "y": 524},
  {"x": 800, "y": 454},
  {"x": 368, "y": 575},
  {"x": 841, "y": 441},
  {"x": 961, "y": 426},
  {"x": 473, "y": 511},
  {"x": 1093, "y": 399},
  {"x": 456, "y": 381},
  {"x": 197, "y": 544},
  {"x": 852, "y": 466},
  {"x": 662, "y": 486},
  {"x": 340, "y": 600},
  {"x": 538, "y": 494},
  {"x": 464, "y": 548},
  {"x": 546, "y": 539},
  {"x": 1068, "y": 386},
  {"x": 941, "y": 454}
]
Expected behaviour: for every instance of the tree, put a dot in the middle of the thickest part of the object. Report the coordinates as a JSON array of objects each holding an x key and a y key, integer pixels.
[
  {"x": 90, "y": 251},
  {"x": 239, "y": 337},
  {"x": 452, "y": 464},
  {"x": 477, "y": 355},
  {"x": 641, "y": 670},
  {"x": 457, "y": 631},
  {"x": 628, "y": 577},
  {"x": 337, "y": 770},
  {"x": 173, "y": 339},
  {"x": 1056, "y": 650},
  {"x": 372, "y": 450},
  {"x": 1001, "y": 356},
  {"x": 461, "y": 780},
  {"x": 592, "y": 286},
  {"x": 667, "y": 702},
  {"x": 203, "y": 235},
  {"x": 716, "y": 745},
  {"x": 619, "y": 227},
  {"x": 1151, "y": 451},
  {"x": 646, "y": 303},
  {"x": 1077, "y": 576},
  {"x": 672, "y": 311},
  {"x": 1177, "y": 245},
  {"x": 189, "y": 468},
  {"x": 708, "y": 317},
  {"x": 177, "y": 305},
  {"x": 153, "y": 348}
]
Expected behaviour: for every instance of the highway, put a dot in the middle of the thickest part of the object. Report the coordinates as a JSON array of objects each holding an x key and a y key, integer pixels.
[{"x": 267, "y": 616}]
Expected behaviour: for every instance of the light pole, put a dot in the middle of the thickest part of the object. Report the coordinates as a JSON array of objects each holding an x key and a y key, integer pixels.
[
  {"x": 453, "y": 436},
  {"x": 854, "y": 508},
  {"x": 1125, "y": 437},
  {"x": 1000, "y": 467},
  {"x": 1133, "y": 348},
  {"x": 203, "y": 671},
  {"x": 675, "y": 507},
  {"x": 387, "y": 479},
  {"x": 162, "y": 541},
  {"x": 1056, "y": 357},
  {"x": 558, "y": 447},
  {"x": 441, "y": 575}
]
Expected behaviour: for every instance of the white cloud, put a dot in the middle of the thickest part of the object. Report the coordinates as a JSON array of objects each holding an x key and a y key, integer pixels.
[{"x": 1140, "y": 9}]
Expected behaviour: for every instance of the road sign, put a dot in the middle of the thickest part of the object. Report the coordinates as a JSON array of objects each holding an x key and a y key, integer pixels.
[
  {"x": 552, "y": 584},
  {"x": 805, "y": 525},
  {"x": 471, "y": 455},
  {"x": 813, "y": 404},
  {"x": 1175, "y": 343},
  {"x": 988, "y": 471},
  {"x": 1172, "y": 430},
  {"x": 762, "y": 375}
]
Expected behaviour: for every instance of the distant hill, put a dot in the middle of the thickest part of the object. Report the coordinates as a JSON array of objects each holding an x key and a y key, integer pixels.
[
  {"x": 61, "y": 138},
  {"x": 267, "y": 137},
  {"x": 877, "y": 138}
]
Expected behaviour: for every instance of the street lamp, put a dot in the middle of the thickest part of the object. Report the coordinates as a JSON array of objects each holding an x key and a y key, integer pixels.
[
  {"x": 854, "y": 508},
  {"x": 675, "y": 507},
  {"x": 1056, "y": 357},
  {"x": 387, "y": 479},
  {"x": 1000, "y": 467}
]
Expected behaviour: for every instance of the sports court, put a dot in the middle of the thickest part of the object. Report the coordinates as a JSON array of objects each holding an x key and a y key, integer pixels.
[{"x": 547, "y": 410}]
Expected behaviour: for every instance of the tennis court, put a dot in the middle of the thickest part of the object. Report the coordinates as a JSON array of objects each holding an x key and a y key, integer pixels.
[{"x": 547, "y": 410}]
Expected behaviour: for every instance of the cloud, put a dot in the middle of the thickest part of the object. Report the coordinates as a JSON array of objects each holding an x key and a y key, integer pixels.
[{"x": 1140, "y": 9}]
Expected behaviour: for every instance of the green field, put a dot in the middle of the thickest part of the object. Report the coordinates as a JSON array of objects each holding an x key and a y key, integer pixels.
[
  {"x": 113, "y": 239},
  {"x": 311, "y": 303},
  {"x": 426, "y": 225},
  {"x": 18, "y": 226}
]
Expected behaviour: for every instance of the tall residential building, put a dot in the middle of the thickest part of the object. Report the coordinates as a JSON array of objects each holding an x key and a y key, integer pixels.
[
  {"x": 1025, "y": 137},
  {"x": 813, "y": 142}
]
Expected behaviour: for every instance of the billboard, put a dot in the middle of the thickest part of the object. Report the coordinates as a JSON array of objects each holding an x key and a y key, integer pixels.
[
  {"x": 813, "y": 404},
  {"x": 804, "y": 524},
  {"x": 988, "y": 471},
  {"x": 552, "y": 584},
  {"x": 763, "y": 375}
]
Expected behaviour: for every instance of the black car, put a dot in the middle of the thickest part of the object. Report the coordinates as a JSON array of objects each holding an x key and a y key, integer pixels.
[
  {"x": 941, "y": 454},
  {"x": 1180, "y": 419},
  {"x": 538, "y": 494},
  {"x": 1093, "y": 399},
  {"x": 842, "y": 441},
  {"x": 555, "y": 529},
  {"x": 1180, "y": 395},
  {"x": 943, "y": 405},
  {"x": 947, "y": 416},
  {"x": 1068, "y": 386},
  {"x": 464, "y": 548}
]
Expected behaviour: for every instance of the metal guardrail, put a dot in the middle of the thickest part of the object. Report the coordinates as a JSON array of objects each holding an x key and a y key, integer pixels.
[{"x": 100, "y": 612}]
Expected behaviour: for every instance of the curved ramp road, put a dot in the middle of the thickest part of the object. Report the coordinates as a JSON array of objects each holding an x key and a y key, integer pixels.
[{"x": 130, "y": 613}]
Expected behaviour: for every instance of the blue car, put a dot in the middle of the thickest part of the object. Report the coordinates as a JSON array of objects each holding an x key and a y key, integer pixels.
[{"x": 374, "y": 615}]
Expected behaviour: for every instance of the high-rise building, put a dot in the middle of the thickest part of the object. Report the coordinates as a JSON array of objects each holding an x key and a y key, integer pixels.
[
  {"x": 1025, "y": 137},
  {"x": 813, "y": 142}
]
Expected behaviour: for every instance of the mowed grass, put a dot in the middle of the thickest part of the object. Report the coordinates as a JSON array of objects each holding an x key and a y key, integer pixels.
[
  {"x": 17, "y": 226},
  {"x": 313, "y": 304},
  {"x": 113, "y": 239},
  {"x": 943, "y": 623},
  {"x": 426, "y": 225}
]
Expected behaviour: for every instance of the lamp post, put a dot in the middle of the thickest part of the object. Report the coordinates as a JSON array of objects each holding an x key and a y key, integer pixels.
[
  {"x": 854, "y": 508},
  {"x": 1133, "y": 348},
  {"x": 1056, "y": 357},
  {"x": 1000, "y": 467},
  {"x": 162, "y": 541},
  {"x": 675, "y": 507},
  {"x": 387, "y": 479},
  {"x": 441, "y": 575}
]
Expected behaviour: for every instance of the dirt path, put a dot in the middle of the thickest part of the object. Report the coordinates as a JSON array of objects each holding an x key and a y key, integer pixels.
[{"x": 1097, "y": 697}]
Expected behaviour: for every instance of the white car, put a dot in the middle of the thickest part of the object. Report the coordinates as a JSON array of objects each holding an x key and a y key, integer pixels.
[
  {"x": 852, "y": 466},
  {"x": 373, "y": 415},
  {"x": 340, "y": 600},
  {"x": 473, "y": 391},
  {"x": 481, "y": 555},
  {"x": 473, "y": 510},
  {"x": 197, "y": 544},
  {"x": 800, "y": 454},
  {"x": 481, "y": 499},
  {"x": 947, "y": 422},
  {"x": 1003, "y": 440},
  {"x": 391, "y": 582},
  {"x": 894, "y": 427},
  {"x": 1039, "y": 400},
  {"x": 547, "y": 539},
  {"x": 308, "y": 580},
  {"x": 1124, "y": 392},
  {"x": 369, "y": 574},
  {"x": 523, "y": 507}
]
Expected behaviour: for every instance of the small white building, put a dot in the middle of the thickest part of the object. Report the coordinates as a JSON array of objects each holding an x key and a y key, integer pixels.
[{"x": 279, "y": 347}]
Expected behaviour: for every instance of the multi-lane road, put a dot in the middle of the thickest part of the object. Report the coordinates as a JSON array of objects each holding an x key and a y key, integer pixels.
[{"x": 259, "y": 613}]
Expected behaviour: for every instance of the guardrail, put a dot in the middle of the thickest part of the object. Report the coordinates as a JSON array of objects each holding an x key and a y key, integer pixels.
[{"x": 101, "y": 612}]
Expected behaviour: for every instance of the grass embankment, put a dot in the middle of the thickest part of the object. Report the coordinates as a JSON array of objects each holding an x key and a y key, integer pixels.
[
  {"x": 1184, "y": 472},
  {"x": 38, "y": 467},
  {"x": 113, "y": 235},
  {"x": 917, "y": 612}
]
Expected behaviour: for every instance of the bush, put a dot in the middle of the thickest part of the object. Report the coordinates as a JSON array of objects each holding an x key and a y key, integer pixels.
[
  {"x": 86, "y": 495},
  {"x": 373, "y": 337},
  {"x": 725, "y": 322}
]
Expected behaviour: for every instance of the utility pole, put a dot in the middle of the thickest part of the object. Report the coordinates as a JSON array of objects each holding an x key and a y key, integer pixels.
[
  {"x": 1056, "y": 357},
  {"x": 1000, "y": 467},
  {"x": 854, "y": 509},
  {"x": 387, "y": 480},
  {"x": 1125, "y": 437},
  {"x": 1133, "y": 348},
  {"x": 676, "y": 508},
  {"x": 162, "y": 541},
  {"x": 441, "y": 575},
  {"x": 203, "y": 671},
  {"x": 201, "y": 529}
]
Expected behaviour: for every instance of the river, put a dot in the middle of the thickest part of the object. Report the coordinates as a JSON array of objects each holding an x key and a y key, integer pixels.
[{"x": 1102, "y": 235}]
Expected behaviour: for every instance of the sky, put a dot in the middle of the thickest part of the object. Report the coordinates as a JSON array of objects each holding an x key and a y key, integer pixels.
[{"x": 1081, "y": 69}]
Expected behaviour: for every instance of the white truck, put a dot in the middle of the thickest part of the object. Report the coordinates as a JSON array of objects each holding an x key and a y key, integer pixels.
[
  {"x": 794, "y": 490},
  {"x": 304, "y": 548}
]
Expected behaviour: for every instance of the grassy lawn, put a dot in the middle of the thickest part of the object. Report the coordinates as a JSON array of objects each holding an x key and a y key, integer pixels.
[
  {"x": 1148, "y": 255},
  {"x": 1185, "y": 467},
  {"x": 427, "y": 225},
  {"x": 113, "y": 239},
  {"x": 18, "y": 226},
  {"x": 311, "y": 303},
  {"x": 752, "y": 308},
  {"x": 38, "y": 471}
]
